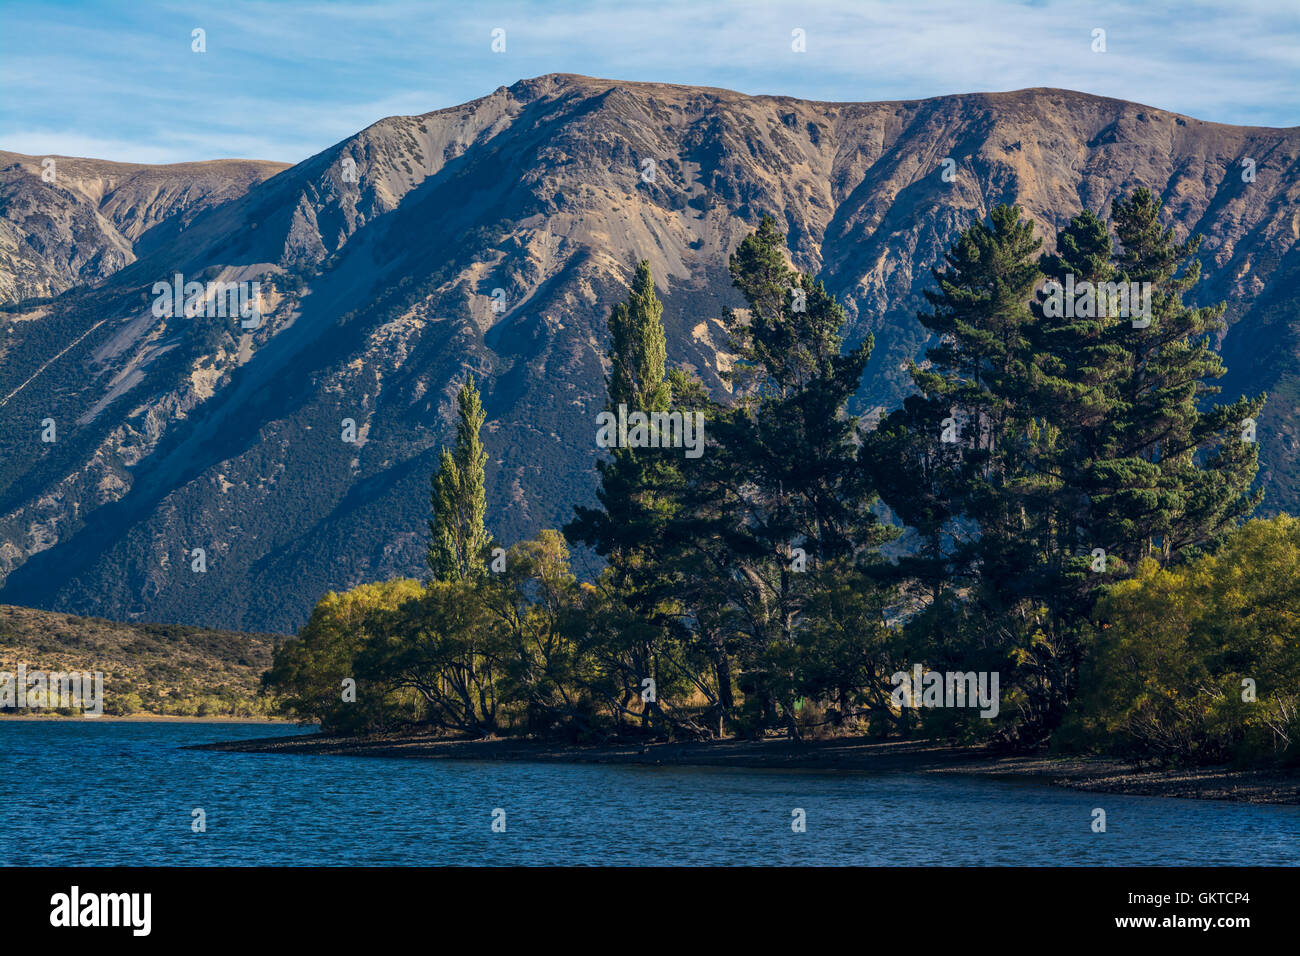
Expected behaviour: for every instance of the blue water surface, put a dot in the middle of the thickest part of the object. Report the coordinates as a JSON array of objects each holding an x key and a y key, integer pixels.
[{"x": 87, "y": 792}]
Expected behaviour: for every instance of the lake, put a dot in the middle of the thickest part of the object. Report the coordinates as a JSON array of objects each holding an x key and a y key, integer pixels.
[{"x": 88, "y": 792}]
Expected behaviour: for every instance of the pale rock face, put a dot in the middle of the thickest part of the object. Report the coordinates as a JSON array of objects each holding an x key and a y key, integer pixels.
[{"x": 379, "y": 297}]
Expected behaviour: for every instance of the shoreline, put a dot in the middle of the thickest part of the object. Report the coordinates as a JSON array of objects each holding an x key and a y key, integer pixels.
[
  {"x": 849, "y": 755},
  {"x": 147, "y": 718}
]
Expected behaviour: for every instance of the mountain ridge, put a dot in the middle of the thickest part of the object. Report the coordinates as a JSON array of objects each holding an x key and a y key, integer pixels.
[{"x": 379, "y": 299}]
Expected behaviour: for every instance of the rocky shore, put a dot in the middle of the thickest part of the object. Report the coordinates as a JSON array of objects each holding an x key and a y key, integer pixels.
[{"x": 847, "y": 755}]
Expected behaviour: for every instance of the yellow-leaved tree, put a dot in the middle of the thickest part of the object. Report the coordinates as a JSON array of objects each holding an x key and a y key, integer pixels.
[
  {"x": 1200, "y": 661},
  {"x": 314, "y": 674}
]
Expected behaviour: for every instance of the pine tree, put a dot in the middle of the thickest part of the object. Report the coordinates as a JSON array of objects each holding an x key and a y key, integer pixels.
[
  {"x": 1082, "y": 429},
  {"x": 1077, "y": 363},
  {"x": 788, "y": 431},
  {"x": 459, "y": 542},
  {"x": 976, "y": 476},
  {"x": 937, "y": 459},
  {"x": 1179, "y": 474},
  {"x": 779, "y": 512},
  {"x": 979, "y": 376}
]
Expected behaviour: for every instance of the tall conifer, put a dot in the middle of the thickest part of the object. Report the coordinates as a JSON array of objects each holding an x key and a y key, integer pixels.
[{"x": 459, "y": 541}]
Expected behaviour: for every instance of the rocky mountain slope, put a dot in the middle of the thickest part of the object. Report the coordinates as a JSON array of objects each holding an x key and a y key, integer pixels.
[
  {"x": 66, "y": 221},
  {"x": 493, "y": 237}
]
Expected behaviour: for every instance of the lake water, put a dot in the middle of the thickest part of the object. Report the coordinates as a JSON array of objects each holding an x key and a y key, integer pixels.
[{"x": 86, "y": 792}]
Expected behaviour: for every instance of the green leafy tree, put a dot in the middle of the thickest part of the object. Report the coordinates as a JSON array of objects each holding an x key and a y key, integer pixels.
[
  {"x": 442, "y": 646},
  {"x": 309, "y": 670},
  {"x": 1199, "y": 662},
  {"x": 541, "y": 610}
]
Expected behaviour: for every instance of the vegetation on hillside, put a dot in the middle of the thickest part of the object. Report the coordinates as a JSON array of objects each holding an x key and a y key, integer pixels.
[{"x": 165, "y": 669}]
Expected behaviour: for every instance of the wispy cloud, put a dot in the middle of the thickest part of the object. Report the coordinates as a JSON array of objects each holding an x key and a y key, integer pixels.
[{"x": 283, "y": 80}]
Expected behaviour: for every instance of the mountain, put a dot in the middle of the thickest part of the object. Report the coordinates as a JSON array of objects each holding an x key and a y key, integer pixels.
[
  {"x": 377, "y": 294},
  {"x": 93, "y": 217},
  {"x": 156, "y": 668}
]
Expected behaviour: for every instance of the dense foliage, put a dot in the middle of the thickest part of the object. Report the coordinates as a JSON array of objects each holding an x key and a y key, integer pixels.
[
  {"x": 1200, "y": 660},
  {"x": 1071, "y": 503}
]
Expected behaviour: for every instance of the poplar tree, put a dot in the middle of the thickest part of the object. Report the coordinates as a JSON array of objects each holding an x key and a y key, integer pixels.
[
  {"x": 630, "y": 511},
  {"x": 459, "y": 541},
  {"x": 636, "y": 500},
  {"x": 638, "y": 348}
]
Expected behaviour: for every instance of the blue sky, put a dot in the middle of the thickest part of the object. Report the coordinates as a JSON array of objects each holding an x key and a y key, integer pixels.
[{"x": 283, "y": 80}]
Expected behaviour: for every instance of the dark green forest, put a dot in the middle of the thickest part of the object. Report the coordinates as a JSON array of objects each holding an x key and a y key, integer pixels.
[{"x": 1061, "y": 503}]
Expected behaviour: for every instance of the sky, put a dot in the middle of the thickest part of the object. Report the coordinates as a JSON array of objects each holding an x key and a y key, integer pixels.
[{"x": 284, "y": 79}]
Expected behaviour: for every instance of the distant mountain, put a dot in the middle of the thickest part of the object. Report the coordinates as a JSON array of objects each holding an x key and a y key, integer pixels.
[
  {"x": 377, "y": 289},
  {"x": 93, "y": 217}
]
